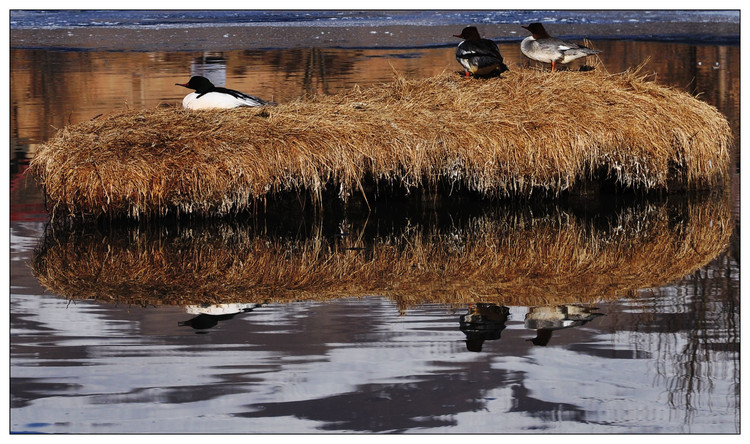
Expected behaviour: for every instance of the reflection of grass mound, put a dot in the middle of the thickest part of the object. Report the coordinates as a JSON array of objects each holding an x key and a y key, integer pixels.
[
  {"x": 527, "y": 130},
  {"x": 506, "y": 258}
]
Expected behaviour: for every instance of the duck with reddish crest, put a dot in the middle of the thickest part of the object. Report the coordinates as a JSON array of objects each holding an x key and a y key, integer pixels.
[
  {"x": 542, "y": 47},
  {"x": 479, "y": 57},
  {"x": 207, "y": 96}
]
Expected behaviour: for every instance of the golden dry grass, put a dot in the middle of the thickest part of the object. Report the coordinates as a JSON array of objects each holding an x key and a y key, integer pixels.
[
  {"x": 508, "y": 257},
  {"x": 527, "y": 131}
]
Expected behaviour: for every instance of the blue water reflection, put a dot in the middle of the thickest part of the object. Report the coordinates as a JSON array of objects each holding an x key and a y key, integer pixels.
[{"x": 413, "y": 374}]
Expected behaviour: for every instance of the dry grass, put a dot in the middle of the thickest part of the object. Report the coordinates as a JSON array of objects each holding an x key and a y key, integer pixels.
[
  {"x": 527, "y": 131},
  {"x": 507, "y": 257}
]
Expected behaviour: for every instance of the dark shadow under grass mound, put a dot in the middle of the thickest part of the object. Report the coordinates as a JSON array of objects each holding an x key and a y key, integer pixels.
[{"x": 523, "y": 133}]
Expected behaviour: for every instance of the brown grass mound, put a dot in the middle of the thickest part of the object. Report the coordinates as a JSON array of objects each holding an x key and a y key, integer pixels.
[
  {"x": 507, "y": 257},
  {"x": 527, "y": 130}
]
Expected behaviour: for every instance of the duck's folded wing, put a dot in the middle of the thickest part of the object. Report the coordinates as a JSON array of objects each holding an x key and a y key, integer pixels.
[
  {"x": 484, "y": 48},
  {"x": 568, "y": 46},
  {"x": 241, "y": 95}
]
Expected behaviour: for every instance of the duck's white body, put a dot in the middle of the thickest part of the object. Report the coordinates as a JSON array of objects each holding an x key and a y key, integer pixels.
[
  {"x": 208, "y": 96},
  {"x": 209, "y": 100}
]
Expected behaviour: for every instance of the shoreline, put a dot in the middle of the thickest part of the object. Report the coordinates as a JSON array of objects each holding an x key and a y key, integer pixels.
[{"x": 385, "y": 36}]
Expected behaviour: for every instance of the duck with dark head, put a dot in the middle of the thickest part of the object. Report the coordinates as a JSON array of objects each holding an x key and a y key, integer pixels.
[
  {"x": 542, "y": 47},
  {"x": 479, "y": 57}
]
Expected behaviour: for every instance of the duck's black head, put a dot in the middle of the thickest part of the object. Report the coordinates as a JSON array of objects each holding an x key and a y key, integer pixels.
[
  {"x": 198, "y": 83},
  {"x": 469, "y": 33}
]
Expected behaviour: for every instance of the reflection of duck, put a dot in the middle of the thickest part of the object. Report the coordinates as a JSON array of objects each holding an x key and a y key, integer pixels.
[
  {"x": 210, "y": 315},
  {"x": 478, "y": 56},
  {"x": 549, "y": 318},
  {"x": 541, "y": 47},
  {"x": 207, "y": 95},
  {"x": 483, "y": 322},
  {"x": 211, "y": 65}
]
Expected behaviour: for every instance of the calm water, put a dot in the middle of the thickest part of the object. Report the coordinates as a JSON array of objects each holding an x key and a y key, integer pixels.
[{"x": 614, "y": 317}]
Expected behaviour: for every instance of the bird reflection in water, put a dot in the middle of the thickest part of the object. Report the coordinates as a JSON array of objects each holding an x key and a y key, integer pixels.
[
  {"x": 483, "y": 322},
  {"x": 208, "y": 316},
  {"x": 546, "y": 319}
]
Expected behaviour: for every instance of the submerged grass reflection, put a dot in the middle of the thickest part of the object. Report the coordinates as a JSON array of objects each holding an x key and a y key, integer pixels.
[{"x": 496, "y": 254}]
